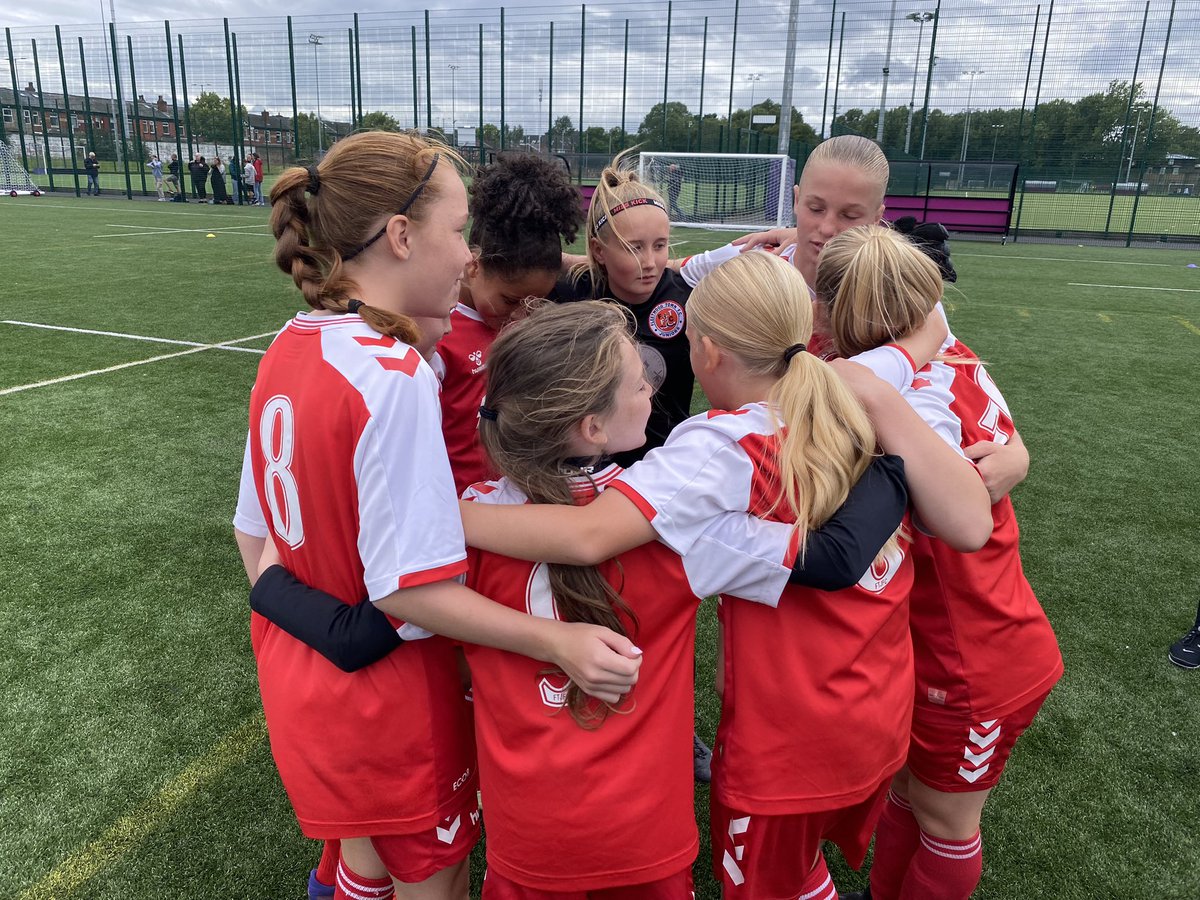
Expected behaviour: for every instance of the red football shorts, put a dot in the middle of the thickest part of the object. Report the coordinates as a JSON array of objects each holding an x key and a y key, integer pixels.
[
  {"x": 674, "y": 887},
  {"x": 770, "y": 856},
  {"x": 958, "y": 756},
  {"x": 412, "y": 858}
]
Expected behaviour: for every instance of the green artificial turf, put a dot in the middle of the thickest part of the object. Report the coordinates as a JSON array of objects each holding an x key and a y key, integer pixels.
[{"x": 135, "y": 763}]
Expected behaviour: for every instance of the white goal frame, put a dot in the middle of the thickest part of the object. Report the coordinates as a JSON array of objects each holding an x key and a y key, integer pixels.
[
  {"x": 14, "y": 179},
  {"x": 756, "y": 194}
]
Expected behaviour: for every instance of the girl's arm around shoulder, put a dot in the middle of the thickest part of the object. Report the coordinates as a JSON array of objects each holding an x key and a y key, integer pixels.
[
  {"x": 570, "y": 535},
  {"x": 949, "y": 496},
  {"x": 601, "y": 662}
]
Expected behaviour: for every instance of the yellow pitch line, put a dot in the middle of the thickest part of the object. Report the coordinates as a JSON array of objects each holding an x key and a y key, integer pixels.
[
  {"x": 134, "y": 827},
  {"x": 1104, "y": 318},
  {"x": 1186, "y": 324},
  {"x": 1023, "y": 313}
]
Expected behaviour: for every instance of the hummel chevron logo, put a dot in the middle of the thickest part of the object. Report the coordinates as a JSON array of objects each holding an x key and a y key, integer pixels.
[
  {"x": 976, "y": 758},
  {"x": 972, "y": 777},
  {"x": 446, "y": 835},
  {"x": 986, "y": 739},
  {"x": 728, "y": 862}
]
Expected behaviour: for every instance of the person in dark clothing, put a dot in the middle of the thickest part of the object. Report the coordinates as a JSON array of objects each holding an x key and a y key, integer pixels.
[
  {"x": 199, "y": 170},
  {"x": 174, "y": 185},
  {"x": 91, "y": 166},
  {"x": 217, "y": 178}
]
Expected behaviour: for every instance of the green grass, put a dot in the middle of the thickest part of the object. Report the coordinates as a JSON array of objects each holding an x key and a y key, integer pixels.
[{"x": 134, "y": 762}]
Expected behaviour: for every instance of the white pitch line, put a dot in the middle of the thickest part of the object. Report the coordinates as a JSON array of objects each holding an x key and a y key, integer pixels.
[
  {"x": 224, "y": 345},
  {"x": 130, "y": 209},
  {"x": 1134, "y": 287},
  {"x": 1104, "y": 262},
  {"x": 216, "y": 230}
]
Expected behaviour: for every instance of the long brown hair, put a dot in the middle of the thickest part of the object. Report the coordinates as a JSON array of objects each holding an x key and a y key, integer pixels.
[
  {"x": 756, "y": 307},
  {"x": 544, "y": 375},
  {"x": 322, "y": 214}
]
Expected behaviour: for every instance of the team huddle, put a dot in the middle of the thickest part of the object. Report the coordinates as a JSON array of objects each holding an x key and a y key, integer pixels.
[{"x": 531, "y": 645}]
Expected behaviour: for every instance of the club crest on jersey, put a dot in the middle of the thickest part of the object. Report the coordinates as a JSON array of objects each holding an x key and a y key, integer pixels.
[
  {"x": 554, "y": 690},
  {"x": 882, "y": 571},
  {"x": 666, "y": 319}
]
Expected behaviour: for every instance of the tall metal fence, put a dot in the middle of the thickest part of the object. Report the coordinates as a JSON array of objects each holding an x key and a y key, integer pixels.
[{"x": 1097, "y": 100}]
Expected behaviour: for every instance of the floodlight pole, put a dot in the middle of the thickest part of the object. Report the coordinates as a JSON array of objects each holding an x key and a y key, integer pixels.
[
  {"x": 454, "y": 101},
  {"x": 315, "y": 40},
  {"x": 887, "y": 64},
  {"x": 754, "y": 78},
  {"x": 920, "y": 18}
]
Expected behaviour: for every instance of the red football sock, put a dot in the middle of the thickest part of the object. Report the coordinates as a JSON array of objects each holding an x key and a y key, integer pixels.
[
  {"x": 327, "y": 867},
  {"x": 351, "y": 886},
  {"x": 944, "y": 870},
  {"x": 896, "y": 839},
  {"x": 818, "y": 885}
]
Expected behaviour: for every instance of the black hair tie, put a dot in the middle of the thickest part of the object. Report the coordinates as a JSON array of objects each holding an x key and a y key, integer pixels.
[
  {"x": 792, "y": 351},
  {"x": 486, "y": 412},
  {"x": 314, "y": 180},
  {"x": 353, "y": 306}
]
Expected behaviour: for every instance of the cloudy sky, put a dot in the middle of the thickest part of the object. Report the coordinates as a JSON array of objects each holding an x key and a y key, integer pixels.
[{"x": 983, "y": 54}]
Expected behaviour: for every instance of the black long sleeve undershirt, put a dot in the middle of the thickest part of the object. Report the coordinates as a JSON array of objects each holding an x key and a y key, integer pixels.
[{"x": 835, "y": 557}]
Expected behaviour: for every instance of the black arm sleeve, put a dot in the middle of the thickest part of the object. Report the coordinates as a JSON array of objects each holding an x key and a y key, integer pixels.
[
  {"x": 837, "y": 554},
  {"x": 350, "y": 637}
]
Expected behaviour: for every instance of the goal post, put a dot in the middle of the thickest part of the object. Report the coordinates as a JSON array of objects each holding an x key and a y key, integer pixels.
[
  {"x": 13, "y": 177},
  {"x": 733, "y": 191}
]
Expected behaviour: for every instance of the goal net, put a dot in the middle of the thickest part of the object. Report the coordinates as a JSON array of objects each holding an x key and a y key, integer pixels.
[
  {"x": 735, "y": 191},
  {"x": 13, "y": 176}
]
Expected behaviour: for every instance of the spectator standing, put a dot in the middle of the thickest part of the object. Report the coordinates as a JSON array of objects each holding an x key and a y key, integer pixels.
[
  {"x": 217, "y": 179},
  {"x": 174, "y": 170},
  {"x": 258, "y": 181},
  {"x": 91, "y": 166},
  {"x": 199, "y": 171},
  {"x": 155, "y": 166},
  {"x": 248, "y": 173}
]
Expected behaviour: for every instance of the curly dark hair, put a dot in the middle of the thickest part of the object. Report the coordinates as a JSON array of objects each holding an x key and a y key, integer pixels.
[{"x": 522, "y": 206}]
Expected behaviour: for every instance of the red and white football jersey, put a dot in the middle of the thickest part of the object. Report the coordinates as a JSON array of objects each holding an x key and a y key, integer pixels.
[
  {"x": 695, "y": 267},
  {"x": 818, "y": 693},
  {"x": 574, "y": 810},
  {"x": 984, "y": 646},
  {"x": 348, "y": 467},
  {"x": 463, "y": 371}
]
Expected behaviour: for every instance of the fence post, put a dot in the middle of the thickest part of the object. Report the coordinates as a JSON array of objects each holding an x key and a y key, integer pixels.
[
  {"x": 428, "y": 85},
  {"x": 479, "y": 135},
  {"x": 503, "y": 97},
  {"x": 666, "y": 76},
  {"x": 62, "y": 69},
  {"x": 112, "y": 34},
  {"x": 1037, "y": 99},
  {"x": 1037, "y": 16},
  {"x": 87, "y": 97},
  {"x": 837, "y": 78},
  {"x": 174, "y": 105},
  {"x": 239, "y": 124},
  {"x": 703, "y": 68},
  {"x": 550, "y": 98},
  {"x": 937, "y": 20},
  {"x": 358, "y": 70},
  {"x": 137, "y": 131},
  {"x": 12, "y": 66},
  {"x": 1112, "y": 193},
  {"x": 37, "y": 74},
  {"x": 828, "y": 67},
  {"x": 187, "y": 112},
  {"x": 732, "y": 68},
  {"x": 353, "y": 81},
  {"x": 233, "y": 119},
  {"x": 580, "y": 145},
  {"x": 625, "y": 86},
  {"x": 1137, "y": 188},
  {"x": 295, "y": 106},
  {"x": 416, "y": 108}
]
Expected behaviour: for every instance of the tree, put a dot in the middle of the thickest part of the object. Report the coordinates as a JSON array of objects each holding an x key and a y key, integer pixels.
[
  {"x": 211, "y": 118},
  {"x": 666, "y": 132},
  {"x": 562, "y": 135},
  {"x": 306, "y": 126},
  {"x": 378, "y": 121}
]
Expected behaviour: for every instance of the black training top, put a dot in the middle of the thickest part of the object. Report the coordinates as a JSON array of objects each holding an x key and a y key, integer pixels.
[{"x": 663, "y": 346}]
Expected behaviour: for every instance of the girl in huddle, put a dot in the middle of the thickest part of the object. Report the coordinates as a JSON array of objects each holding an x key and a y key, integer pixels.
[
  {"x": 813, "y": 726},
  {"x": 566, "y": 806},
  {"x": 842, "y": 186},
  {"x": 986, "y": 656},
  {"x": 628, "y": 238},
  {"x": 346, "y": 462},
  {"x": 522, "y": 208}
]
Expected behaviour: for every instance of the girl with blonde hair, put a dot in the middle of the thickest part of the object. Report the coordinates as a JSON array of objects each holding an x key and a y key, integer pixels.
[{"x": 985, "y": 655}]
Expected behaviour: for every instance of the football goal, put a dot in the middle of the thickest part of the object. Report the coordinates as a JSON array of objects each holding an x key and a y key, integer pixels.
[
  {"x": 14, "y": 179},
  {"x": 735, "y": 191}
]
